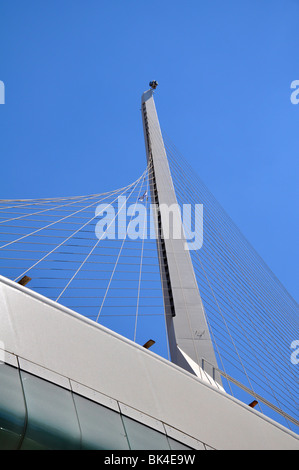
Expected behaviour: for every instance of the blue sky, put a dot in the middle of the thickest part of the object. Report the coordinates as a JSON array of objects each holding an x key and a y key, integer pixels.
[{"x": 74, "y": 72}]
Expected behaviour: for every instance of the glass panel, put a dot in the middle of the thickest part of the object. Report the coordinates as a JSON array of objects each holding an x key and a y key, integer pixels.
[
  {"x": 101, "y": 427},
  {"x": 142, "y": 437},
  {"x": 176, "y": 445},
  {"x": 52, "y": 420},
  {"x": 12, "y": 408}
]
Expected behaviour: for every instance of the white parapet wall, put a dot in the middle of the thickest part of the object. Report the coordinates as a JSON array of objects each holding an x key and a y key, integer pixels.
[{"x": 61, "y": 343}]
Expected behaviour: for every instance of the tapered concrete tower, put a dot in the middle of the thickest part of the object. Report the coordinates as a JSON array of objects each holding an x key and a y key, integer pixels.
[{"x": 188, "y": 334}]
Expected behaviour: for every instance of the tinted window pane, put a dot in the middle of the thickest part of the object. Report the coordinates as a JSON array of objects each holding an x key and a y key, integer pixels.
[
  {"x": 176, "y": 445},
  {"x": 142, "y": 437},
  {"x": 101, "y": 427},
  {"x": 52, "y": 420},
  {"x": 12, "y": 408}
]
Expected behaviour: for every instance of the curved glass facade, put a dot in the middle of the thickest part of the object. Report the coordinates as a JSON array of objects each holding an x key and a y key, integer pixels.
[{"x": 37, "y": 414}]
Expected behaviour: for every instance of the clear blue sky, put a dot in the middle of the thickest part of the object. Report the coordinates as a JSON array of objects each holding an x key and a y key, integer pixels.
[{"x": 74, "y": 72}]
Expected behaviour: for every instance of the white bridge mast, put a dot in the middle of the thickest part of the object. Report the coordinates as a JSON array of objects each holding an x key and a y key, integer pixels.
[{"x": 188, "y": 334}]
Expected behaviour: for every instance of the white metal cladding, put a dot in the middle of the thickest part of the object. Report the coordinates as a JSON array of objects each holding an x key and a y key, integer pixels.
[{"x": 69, "y": 346}]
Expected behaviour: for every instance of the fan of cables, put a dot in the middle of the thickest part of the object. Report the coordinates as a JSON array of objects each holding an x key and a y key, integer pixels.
[
  {"x": 92, "y": 254},
  {"x": 253, "y": 320}
]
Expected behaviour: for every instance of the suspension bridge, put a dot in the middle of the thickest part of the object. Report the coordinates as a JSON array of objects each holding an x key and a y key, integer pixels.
[{"x": 112, "y": 264}]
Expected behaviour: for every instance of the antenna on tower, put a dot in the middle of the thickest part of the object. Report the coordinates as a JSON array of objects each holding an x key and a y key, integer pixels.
[{"x": 153, "y": 84}]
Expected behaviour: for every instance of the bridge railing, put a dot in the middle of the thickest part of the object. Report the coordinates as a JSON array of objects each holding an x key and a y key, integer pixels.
[{"x": 259, "y": 399}]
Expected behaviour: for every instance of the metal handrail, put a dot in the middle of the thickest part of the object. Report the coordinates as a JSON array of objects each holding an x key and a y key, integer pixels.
[{"x": 251, "y": 392}]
